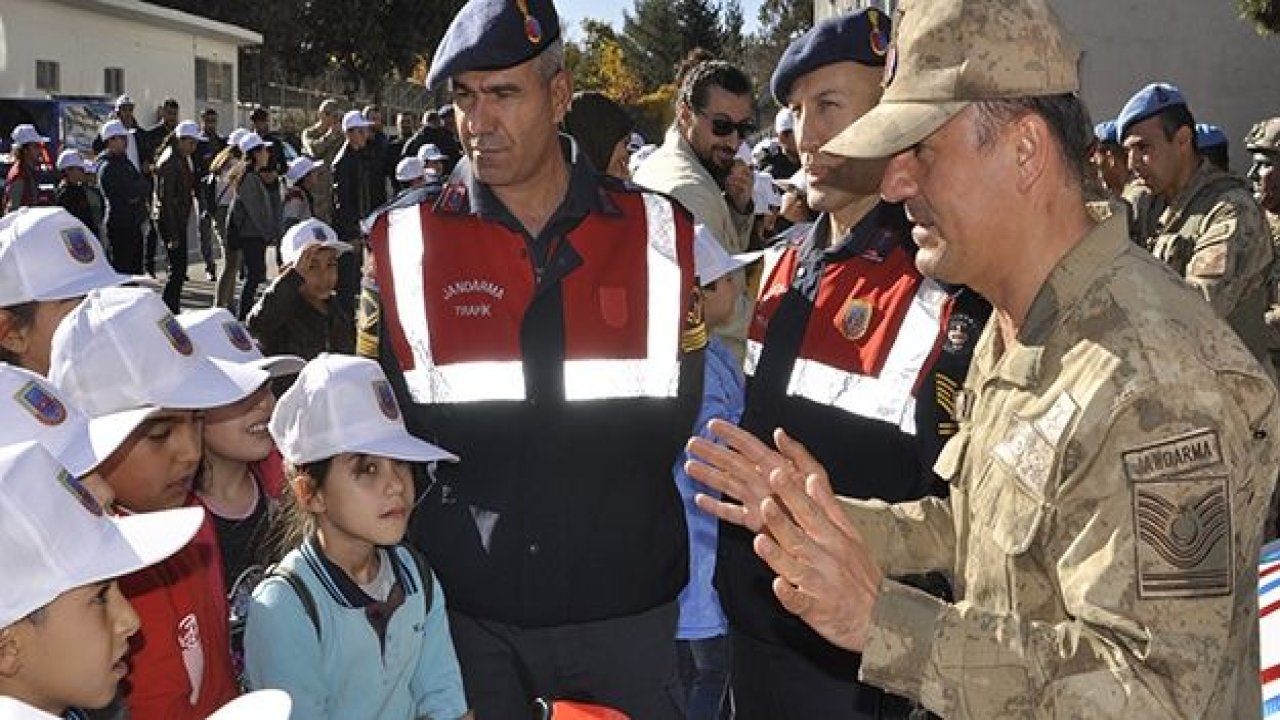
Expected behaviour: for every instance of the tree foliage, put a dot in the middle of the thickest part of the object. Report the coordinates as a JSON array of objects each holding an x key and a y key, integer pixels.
[
  {"x": 367, "y": 43},
  {"x": 599, "y": 63},
  {"x": 1264, "y": 14}
]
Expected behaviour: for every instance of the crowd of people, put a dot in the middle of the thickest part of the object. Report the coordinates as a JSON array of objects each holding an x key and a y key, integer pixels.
[{"x": 937, "y": 400}]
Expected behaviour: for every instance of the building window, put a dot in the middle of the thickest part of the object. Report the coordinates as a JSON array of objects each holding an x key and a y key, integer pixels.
[
  {"x": 213, "y": 81},
  {"x": 48, "y": 76},
  {"x": 113, "y": 81}
]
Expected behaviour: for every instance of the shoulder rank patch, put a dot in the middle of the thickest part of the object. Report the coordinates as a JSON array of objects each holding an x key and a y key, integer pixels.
[
  {"x": 1184, "y": 538},
  {"x": 1196, "y": 450}
]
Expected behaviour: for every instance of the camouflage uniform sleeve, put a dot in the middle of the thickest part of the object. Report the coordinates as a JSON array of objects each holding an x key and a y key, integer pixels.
[
  {"x": 908, "y": 538},
  {"x": 1129, "y": 590},
  {"x": 1230, "y": 255}
]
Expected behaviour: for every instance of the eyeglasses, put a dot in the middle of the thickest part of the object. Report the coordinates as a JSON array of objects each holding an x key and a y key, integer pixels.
[{"x": 723, "y": 127}]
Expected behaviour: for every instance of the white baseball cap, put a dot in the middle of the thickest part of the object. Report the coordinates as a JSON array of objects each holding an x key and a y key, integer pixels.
[
  {"x": 784, "y": 121},
  {"x": 299, "y": 168},
  {"x": 429, "y": 153},
  {"x": 710, "y": 260},
  {"x": 765, "y": 194},
  {"x": 344, "y": 404},
  {"x": 48, "y": 254},
  {"x": 122, "y": 357},
  {"x": 250, "y": 141},
  {"x": 124, "y": 100},
  {"x": 71, "y": 158},
  {"x": 188, "y": 129},
  {"x": 257, "y": 705},
  {"x": 409, "y": 168},
  {"x": 309, "y": 232},
  {"x": 55, "y": 537},
  {"x": 113, "y": 128},
  {"x": 25, "y": 134},
  {"x": 236, "y": 136},
  {"x": 220, "y": 336},
  {"x": 354, "y": 119},
  {"x": 35, "y": 411}
]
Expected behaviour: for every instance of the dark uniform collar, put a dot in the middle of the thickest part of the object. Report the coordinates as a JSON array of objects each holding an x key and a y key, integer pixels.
[
  {"x": 872, "y": 238},
  {"x": 345, "y": 591},
  {"x": 463, "y": 194},
  {"x": 1067, "y": 283}
]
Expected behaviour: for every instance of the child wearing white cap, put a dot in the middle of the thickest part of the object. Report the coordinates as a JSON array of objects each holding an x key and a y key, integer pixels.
[
  {"x": 145, "y": 385},
  {"x": 309, "y": 632},
  {"x": 48, "y": 261},
  {"x": 297, "y": 314},
  {"x": 64, "y": 624},
  {"x": 299, "y": 199},
  {"x": 702, "y": 630},
  {"x": 20, "y": 186},
  {"x": 224, "y": 173},
  {"x": 80, "y": 198},
  {"x": 240, "y": 476}
]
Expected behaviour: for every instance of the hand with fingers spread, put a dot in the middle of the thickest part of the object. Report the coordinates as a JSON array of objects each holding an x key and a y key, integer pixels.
[
  {"x": 739, "y": 469},
  {"x": 826, "y": 574}
]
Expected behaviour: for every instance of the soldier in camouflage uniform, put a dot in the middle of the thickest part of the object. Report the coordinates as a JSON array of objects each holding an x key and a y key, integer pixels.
[
  {"x": 1211, "y": 230},
  {"x": 1118, "y": 443},
  {"x": 1263, "y": 142}
]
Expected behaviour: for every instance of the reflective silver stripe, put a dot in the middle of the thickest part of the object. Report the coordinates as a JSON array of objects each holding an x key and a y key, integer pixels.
[
  {"x": 888, "y": 397},
  {"x": 657, "y": 375},
  {"x": 428, "y": 383},
  {"x": 752, "y": 360}
]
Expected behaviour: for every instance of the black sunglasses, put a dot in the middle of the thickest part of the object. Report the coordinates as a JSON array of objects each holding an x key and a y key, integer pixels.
[{"x": 721, "y": 127}]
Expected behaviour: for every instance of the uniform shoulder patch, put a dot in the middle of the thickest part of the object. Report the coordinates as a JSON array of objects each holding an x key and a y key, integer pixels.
[
  {"x": 1196, "y": 450},
  {"x": 1182, "y": 517}
]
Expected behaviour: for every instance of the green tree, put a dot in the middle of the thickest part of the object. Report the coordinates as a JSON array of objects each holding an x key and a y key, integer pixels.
[
  {"x": 781, "y": 21},
  {"x": 734, "y": 42},
  {"x": 599, "y": 63},
  {"x": 1264, "y": 14},
  {"x": 652, "y": 40}
]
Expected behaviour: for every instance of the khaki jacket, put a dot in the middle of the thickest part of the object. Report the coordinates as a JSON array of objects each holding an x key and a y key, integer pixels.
[{"x": 1109, "y": 483}]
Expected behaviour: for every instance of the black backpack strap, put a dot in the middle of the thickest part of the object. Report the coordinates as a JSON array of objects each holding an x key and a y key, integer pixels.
[
  {"x": 424, "y": 572},
  {"x": 300, "y": 588}
]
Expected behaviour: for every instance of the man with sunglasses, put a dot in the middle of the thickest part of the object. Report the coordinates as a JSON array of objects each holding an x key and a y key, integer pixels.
[{"x": 697, "y": 165}]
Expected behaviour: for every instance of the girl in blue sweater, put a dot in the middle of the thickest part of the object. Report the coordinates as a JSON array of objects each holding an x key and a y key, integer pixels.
[{"x": 351, "y": 622}]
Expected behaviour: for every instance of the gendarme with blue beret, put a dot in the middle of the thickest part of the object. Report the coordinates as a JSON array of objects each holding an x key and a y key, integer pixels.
[
  {"x": 1147, "y": 102},
  {"x": 494, "y": 34},
  {"x": 861, "y": 37}
]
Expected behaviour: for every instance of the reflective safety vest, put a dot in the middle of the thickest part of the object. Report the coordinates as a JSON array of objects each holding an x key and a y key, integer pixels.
[
  {"x": 873, "y": 330},
  {"x": 455, "y": 290}
]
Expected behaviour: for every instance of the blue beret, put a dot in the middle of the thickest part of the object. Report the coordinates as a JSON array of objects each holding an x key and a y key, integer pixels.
[
  {"x": 862, "y": 37},
  {"x": 1149, "y": 101},
  {"x": 1105, "y": 132},
  {"x": 1209, "y": 136},
  {"x": 494, "y": 34}
]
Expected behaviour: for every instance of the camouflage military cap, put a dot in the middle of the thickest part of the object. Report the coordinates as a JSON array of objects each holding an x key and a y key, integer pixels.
[
  {"x": 949, "y": 53},
  {"x": 1264, "y": 137}
]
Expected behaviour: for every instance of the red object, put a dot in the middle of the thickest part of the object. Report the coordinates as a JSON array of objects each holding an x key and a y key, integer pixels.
[
  {"x": 183, "y": 608},
  {"x": 569, "y": 710}
]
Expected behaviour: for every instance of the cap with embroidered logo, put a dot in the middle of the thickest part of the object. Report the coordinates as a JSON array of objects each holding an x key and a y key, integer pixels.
[
  {"x": 55, "y": 537},
  {"x": 309, "y": 232},
  {"x": 36, "y": 411},
  {"x": 121, "y": 357},
  {"x": 251, "y": 141},
  {"x": 430, "y": 153},
  {"x": 494, "y": 34},
  {"x": 861, "y": 37},
  {"x": 947, "y": 54},
  {"x": 48, "y": 254},
  {"x": 71, "y": 158},
  {"x": 220, "y": 336},
  {"x": 344, "y": 404}
]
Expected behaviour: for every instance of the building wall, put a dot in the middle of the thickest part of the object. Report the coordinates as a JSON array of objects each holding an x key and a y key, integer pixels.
[
  {"x": 158, "y": 62},
  {"x": 1229, "y": 74}
]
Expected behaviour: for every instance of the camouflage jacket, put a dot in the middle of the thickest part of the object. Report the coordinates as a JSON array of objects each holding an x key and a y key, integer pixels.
[
  {"x": 1214, "y": 234},
  {"x": 1109, "y": 483}
]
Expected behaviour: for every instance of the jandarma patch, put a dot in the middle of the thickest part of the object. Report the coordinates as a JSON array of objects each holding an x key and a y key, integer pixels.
[
  {"x": 77, "y": 244},
  {"x": 386, "y": 399},
  {"x": 43, "y": 406},
  {"x": 1184, "y": 538},
  {"x": 1197, "y": 450},
  {"x": 238, "y": 336}
]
